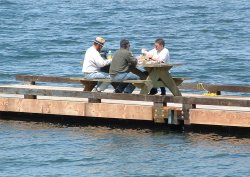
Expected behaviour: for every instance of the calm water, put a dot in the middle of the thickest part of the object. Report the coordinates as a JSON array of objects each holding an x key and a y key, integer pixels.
[
  {"x": 39, "y": 149},
  {"x": 49, "y": 38}
]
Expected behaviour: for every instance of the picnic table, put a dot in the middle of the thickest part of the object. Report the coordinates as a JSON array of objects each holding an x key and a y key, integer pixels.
[{"x": 158, "y": 75}]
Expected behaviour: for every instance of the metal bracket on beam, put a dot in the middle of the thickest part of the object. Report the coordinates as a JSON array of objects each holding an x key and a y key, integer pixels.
[{"x": 160, "y": 115}]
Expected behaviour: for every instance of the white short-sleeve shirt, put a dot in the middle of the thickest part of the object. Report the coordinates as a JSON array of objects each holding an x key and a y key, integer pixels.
[{"x": 163, "y": 55}]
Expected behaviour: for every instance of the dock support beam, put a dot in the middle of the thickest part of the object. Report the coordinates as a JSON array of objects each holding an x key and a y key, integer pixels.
[
  {"x": 159, "y": 113},
  {"x": 185, "y": 112},
  {"x": 30, "y": 96}
]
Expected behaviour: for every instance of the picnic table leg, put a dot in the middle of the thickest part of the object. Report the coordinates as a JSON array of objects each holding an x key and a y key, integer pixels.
[
  {"x": 169, "y": 82},
  {"x": 145, "y": 88},
  {"x": 138, "y": 72},
  {"x": 88, "y": 86},
  {"x": 153, "y": 77}
]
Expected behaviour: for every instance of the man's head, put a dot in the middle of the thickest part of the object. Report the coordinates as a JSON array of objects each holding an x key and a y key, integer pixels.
[
  {"x": 124, "y": 43},
  {"x": 99, "y": 43},
  {"x": 159, "y": 44}
]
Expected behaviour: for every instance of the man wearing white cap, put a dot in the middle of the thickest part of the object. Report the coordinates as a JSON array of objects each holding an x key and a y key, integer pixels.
[{"x": 93, "y": 62}]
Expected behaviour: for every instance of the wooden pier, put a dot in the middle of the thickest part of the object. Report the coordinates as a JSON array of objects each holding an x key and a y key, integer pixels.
[{"x": 188, "y": 109}]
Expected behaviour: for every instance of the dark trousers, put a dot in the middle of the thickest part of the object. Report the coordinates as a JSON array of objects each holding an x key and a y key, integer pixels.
[{"x": 154, "y": 91}]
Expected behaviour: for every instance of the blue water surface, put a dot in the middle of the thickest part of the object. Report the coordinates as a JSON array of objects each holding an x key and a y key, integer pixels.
[
  {"x": 211, "y": 38},
  {"x": 42, "y": 149},
  {"x": 45, "y": 37}
]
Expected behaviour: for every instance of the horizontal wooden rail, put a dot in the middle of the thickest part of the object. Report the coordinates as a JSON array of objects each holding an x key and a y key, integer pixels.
[
  {"x": 56, "y": 79},
  {"x": 214, "y": 88},
  {"x": 66, "y": 92},
  {"x": 79, "y": 80},
  {"x": 89, "y": 84}
]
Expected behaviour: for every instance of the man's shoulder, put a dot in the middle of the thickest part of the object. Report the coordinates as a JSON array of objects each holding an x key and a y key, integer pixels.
[
  {"x": 152, "y": 51},
  {"x": 91, "y": 49},
  {"x": 165, "y": 50},
  {"x": 123, "y": 52}
]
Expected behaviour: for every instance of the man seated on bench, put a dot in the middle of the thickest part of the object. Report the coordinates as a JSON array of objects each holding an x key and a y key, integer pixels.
[
  {"x": 119, "y": 68},
  {"x": 159, "y": 54},
  {"x": 93, "y": 62}
]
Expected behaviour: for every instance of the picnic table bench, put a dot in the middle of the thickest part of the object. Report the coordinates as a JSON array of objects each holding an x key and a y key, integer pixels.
[
  {"x": 158, "y": 75},
  {"x": 89, "y": 84}
]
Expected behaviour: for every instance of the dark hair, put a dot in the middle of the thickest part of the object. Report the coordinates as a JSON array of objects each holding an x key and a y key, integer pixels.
[
  {"x": 160, "y": 41},
  {"x": 124, "y": 43}
]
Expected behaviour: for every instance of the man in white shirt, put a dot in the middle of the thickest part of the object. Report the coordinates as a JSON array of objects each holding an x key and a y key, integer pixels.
[
  {"x": 93, "y": 62},
  {"x": 159, "y": 54}
]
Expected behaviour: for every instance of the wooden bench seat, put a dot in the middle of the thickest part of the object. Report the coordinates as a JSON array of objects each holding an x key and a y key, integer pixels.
[
  {"x": 31, "y": 78},
  {"x": 89, "y": 84}
]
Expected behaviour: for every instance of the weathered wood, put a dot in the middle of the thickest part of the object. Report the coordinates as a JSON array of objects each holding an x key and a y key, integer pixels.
[
  {"x": 203, "y": 100},
  {"x": 159, "y": 65},
  {"x": 89, "y": 84},
  {"x": 30, "y": 96},
  {"x": 76, "y": 108},
  {"x": 168, "y": 80},
  {"x": 94, "y": 100},
  {"x": 160, "y": 77},
  {"x": 174, "y": 115},
  {"x": 179, "y": 80},
  {"x": 68, "y": 92},
  {"x": 122, "y": 111},
  {"x": 185, "y": 111},
  {"x": 160, "y": 114},
  {"x": 144, "y": 85},
  {"x": 49, "y": 79},
  {"x": 219, "y": 117},
  {"x": 79, "y": 80},
  {"x": 215, "y": 87}
]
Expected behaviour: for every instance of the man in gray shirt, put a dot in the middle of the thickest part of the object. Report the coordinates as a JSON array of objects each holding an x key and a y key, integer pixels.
[{"x": 119, "y": 68}]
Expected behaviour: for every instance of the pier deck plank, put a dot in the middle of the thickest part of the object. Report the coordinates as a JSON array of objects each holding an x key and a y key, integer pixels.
[
  {"x": 77, "y": 92},
  {"x": 219, "y": 110}
]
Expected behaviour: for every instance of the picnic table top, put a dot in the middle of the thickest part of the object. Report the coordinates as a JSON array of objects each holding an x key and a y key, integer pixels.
[{"x": 160, "y": 65}]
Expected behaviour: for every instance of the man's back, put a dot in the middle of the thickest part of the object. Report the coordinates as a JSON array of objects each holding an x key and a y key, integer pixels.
[{"x": 121, "y": 61}]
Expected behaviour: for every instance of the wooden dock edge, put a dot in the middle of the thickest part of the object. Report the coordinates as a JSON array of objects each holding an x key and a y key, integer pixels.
[
  {"x": 87, "y": 109},
  {"x": 77, "y": 108},
  {"x": 219, "y": 117},
  {"x": 167, "y": 115}
]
